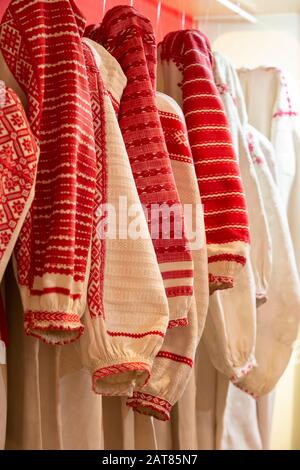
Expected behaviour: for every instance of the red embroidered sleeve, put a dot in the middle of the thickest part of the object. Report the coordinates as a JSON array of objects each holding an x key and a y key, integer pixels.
[
  {"x": 129, "y": 37},
  {"x": 40, "y": 42},
  {"x": 216, "y": 165},
  {"x": 127, "y": 312}
]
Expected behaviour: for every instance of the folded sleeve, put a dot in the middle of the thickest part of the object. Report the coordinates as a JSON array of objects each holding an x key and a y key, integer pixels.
[
  {"x": 185, "y": 60},
  {"x": 51, "y": 254},
  {"x": 173, "y": 364},
  {"x": 127, "y": 311}
]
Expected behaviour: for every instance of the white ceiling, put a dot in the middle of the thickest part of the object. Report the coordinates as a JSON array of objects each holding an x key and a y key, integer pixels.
[{"x": 213, "y": 8}]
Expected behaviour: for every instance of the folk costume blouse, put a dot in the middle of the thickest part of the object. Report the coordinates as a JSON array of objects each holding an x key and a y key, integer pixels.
[
  {"x": 127, "y": 311},
  {"x": 274, "y": 110},
  {"x": 278, "y": 319},
  {"x": 18, "y": 165},
  {"x": 233, "y": 99},
  {"x": 173, "y": 365},
  {"x": 40, "y": 43},
  {"x": 130, "y": 38},
  {"x": 185, "y": 73}
]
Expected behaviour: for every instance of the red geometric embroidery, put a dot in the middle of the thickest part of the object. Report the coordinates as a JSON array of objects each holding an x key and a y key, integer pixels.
[
  {"x": 179, "y": 291},
  {"x": 129, "y": 37},
  {"x": 35, "y": 321},
  {"x": 51, "y": 316},
  {"x": 136, "y": 335},
  {"x": 182, "y": 322},
  {"x": 175, "y": 357},
  {"x": 49, "y": 66},
  {"x": 176, "y": 137},
  {"x": 18, "y": 165},
  {"x": 119, "y": 369},
  {"x": 147, "y": 404},
  {"x": 96, "y": 277},
  {"x": 219, "y": 281}
]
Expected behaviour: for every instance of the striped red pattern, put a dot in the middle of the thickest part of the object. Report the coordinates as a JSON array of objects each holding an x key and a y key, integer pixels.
[
  {"x": 209, "y": 135},
  {"x": 147, "y": 404},
  {"x": 176, "y": 358},
  {"x": 179, "y": 273},
  {"x": 129, "y": 37},
  {"x": 40, "y": 41}
]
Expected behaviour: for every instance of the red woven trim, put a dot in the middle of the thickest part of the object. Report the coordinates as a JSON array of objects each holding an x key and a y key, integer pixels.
[
  {"x": 176, "y": 357},
  {"x": 55, "y": 322},
  {"x": 117, "y": 369},
  {"x": 148, "y": 410},
  {"x": 178, "y": 274},
  {"x": 179, "y": 291},
  {"x": 97, "y": 92},
  {"x": 115, "y": 102},
  {"x": 61, "y": 317},
  {"x": 220, "y": 281},
  {"x": 150, "y": 405},
  {"x": 285, "y": 113},
  {"x": 135, "y": 335},
  {"x": 55, "y": 290},
  {"x": 63, "y": 240},
  {"x": 227, "y": 257},
  {"x": 176, "y": 323}
]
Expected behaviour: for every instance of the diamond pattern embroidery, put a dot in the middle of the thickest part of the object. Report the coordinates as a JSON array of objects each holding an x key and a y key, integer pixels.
[{"x": 18, "y": 164}]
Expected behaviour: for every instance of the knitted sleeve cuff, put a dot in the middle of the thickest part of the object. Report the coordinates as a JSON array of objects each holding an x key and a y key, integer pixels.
[
  {"x": 171, "y": 370},
  {"x": 56, "y": 327},
  {"x": 150, "y": 405},
  {"x": 120, "y": 360},
  {"x": 225, "y": 263},
  {"x": 53, "y": 313},
  {"x": 120, "y": 378}
]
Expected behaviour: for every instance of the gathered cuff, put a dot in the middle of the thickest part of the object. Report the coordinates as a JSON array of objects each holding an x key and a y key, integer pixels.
[
  {"x": 223, "y": 268},
  {"x": 242, "y": 372},
  {"x": 181, "y": 322},
  {"x": 150, "y": 405},
  {"x": 55, "y": 328},
  {"x": 219, "y": 283},
  {"x": 111, "y": 379}
]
